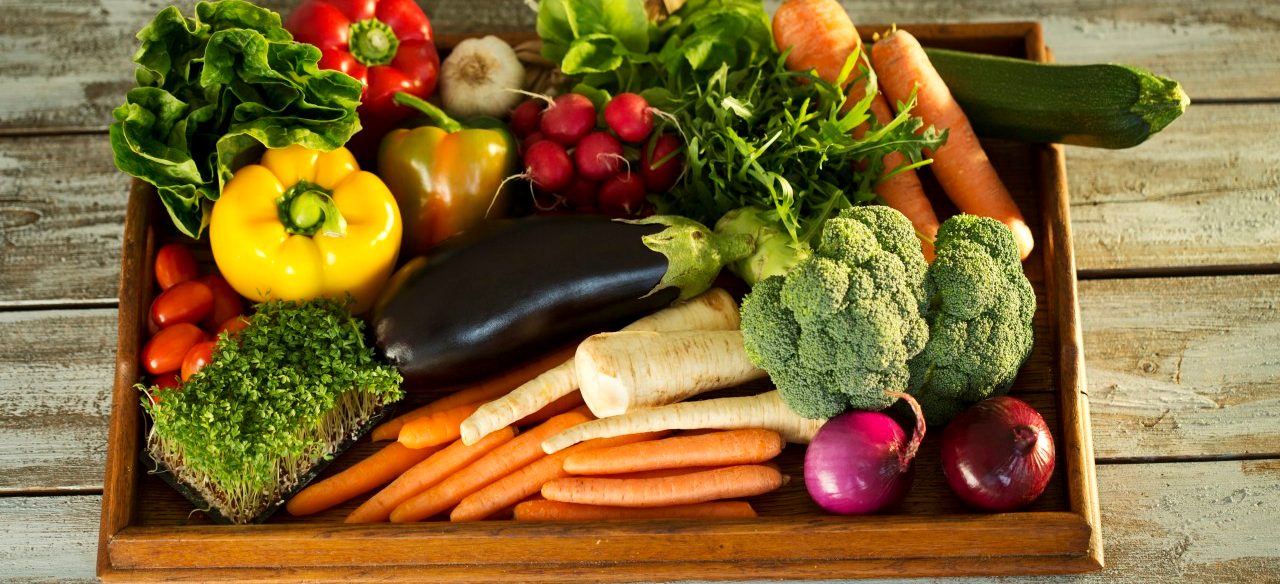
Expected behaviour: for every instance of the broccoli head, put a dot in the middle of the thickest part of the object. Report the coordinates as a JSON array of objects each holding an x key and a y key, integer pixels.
[
  {"x": 980, "y": 307},
  {"x": 837, "y": 331}
]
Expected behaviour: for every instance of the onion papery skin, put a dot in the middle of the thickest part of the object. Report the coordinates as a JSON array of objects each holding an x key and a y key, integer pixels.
[
  {"x": 855, "y": 464},
  {"x": 998, "y": 455}
]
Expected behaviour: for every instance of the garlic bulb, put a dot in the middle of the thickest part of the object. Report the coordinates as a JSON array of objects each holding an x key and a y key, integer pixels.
[{"x": 478, "y": 76}]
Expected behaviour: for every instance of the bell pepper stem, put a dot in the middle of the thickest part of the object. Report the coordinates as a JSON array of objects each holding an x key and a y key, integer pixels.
[
  {"x": 373, "y": 43},
  {"x": 307, "y": 209},
  {"x": 435, "y": 114}
]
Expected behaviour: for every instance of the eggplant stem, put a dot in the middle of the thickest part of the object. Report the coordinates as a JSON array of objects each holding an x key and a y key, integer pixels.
[{"x": 917, "y": 434}]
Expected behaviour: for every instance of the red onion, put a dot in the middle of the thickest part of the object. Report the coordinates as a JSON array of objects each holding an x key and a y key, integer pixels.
[
  {"x": 998, "y": 455},
  {"x": 860, "y": 462}
]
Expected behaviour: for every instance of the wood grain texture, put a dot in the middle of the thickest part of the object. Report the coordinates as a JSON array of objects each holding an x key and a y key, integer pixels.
[
  {"x": 1185, "y": 522},
  {"x": 61, "y": 210},
  {"x": 1183, "y": 367},
  {"x": 1206, "y": 191},
  {"x": 55, "y": 377},
  {"x": 70, "y": 59}
]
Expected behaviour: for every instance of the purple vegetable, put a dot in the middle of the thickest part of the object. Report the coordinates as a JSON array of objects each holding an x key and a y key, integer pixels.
[
  {"x": 998, "y": 455},
  {"x": 860, "y": 462}
]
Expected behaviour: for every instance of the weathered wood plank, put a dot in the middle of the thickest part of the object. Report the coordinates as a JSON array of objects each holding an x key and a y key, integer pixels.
[
  {"x": 1183, "y": 522},
  {"x": 1206, "y": 191},
  {"x": 44, "y": 539},
  {"x": 1183, "y": 366},
  {"x": 67, "y": 61},
  {"x": 55, "y": 382},
  {"x": 61, "y": 219}
]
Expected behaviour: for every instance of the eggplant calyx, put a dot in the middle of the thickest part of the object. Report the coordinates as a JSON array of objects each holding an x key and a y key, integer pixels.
[{"x": 695, "y": 254}]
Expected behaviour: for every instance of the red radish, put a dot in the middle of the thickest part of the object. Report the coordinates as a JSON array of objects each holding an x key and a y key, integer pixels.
[
  {"x": 629, "y": 116},
  {"x": 621, "y": 195},
  {"x": 998, "y": 455},
  {"x": 598, "y": 156},
  {"x": 530, "y": 140},
  {"x": 659, "y": 167},
  {"x": 860, "y": 462},
  {"x": 570, "y": 118},
  {"x": 526, "y": 117},
  {"x": 581, "y": 194},
  {"x": 548, "y": 166}
]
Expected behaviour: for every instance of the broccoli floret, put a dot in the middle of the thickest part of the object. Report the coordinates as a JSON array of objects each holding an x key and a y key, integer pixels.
[
  {"x": 837, "y": 331},
  {"x": 980, "y": 308}
]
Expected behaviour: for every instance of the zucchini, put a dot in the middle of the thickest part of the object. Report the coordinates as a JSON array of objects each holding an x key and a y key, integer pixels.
[{"x": 1104, "y": 106}]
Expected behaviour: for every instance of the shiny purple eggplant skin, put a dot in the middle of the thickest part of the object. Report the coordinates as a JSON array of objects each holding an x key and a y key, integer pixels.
[{"x": 486, "y": 301}]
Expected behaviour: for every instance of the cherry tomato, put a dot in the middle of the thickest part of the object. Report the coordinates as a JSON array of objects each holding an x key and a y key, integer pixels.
[
  {"x": 163, "y": 383},
  {"x": 233, "y": 325},
  {"x": 189, "y": 301},
  {"x": 175, "y": 265},
  {"x": 199, "y": 355},
  {"x": 226, "y": 301},
  {"x": 164, "y": 352}
]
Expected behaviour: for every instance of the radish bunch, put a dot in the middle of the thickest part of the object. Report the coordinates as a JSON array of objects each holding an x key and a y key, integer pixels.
[{"x": 578, "y": 165}]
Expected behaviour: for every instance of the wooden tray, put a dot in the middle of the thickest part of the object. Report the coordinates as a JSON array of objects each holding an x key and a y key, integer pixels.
[{"x": 149, "y": 532}]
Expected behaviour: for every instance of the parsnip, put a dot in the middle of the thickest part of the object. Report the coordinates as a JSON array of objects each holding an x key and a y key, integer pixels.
[
  {"x": 760, "y": 411},
  {"x": 622, "y": 371},
  {"x": 714, "y": 309}
]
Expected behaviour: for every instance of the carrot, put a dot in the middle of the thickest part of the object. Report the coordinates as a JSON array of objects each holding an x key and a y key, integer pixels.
[
  {"x": 565, "y": 403},
  {"x": 731, "y": 447},
  {"x": 962, "y": 167},
  {"x": 658, "y": 472},
  {"x": 438, "y": 428},
  {"x": 622, "y": 371},
  {"x": 377, "y": 469},
  {"x": 501, "y": 462},
  {"x": 714, "y": 309},
  {"x": 480, "y": 392},
  {"x": 759, "y": 411},
  {"x": 426, "y": 474},
  {"x": 821, "y": 36},
  {"x": 544, "y": 510},
  {"x": 527, "y": 481},
  {"x": 699, "y": 487}
]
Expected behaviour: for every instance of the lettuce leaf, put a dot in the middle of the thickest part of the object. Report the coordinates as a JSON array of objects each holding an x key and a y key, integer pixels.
[{"x": 213, "y": 92}]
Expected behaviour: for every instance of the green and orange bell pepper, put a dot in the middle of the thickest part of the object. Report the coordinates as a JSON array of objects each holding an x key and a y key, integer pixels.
[{"x": 445, "y": 177}]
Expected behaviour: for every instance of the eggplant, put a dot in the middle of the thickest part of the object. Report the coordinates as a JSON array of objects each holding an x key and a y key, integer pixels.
[{"x": 487, "y": 300}]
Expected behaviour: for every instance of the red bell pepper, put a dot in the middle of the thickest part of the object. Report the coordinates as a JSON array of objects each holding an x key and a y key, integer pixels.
[{"x": 386, "y": 44}]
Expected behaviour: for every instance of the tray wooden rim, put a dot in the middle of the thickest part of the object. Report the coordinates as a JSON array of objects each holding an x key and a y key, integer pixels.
[{"x": 816, "y": 547}]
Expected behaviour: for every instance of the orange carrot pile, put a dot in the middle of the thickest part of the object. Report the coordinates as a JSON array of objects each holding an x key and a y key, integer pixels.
[
  {"x": 698, "y": 487},
  {"x": 426, "y": 475},
  {"x": 362, "y": 477},
  {"x": 821, "y": 36},
  {"x": 437, "y": 428},
  {"x": 961, "y": 165},
  {"x": 727, "y": 448},
  {"x": 500, "y": 462},
  {"x": 544, "y": 510},
  {"x": 478, "y": 393}
]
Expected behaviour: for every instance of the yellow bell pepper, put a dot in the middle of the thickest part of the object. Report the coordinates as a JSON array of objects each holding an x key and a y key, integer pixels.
[{"x": 302, "y": 224}]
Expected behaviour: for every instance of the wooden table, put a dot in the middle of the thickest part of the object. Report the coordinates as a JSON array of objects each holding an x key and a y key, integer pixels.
[{"x": 1178, "y": 245}]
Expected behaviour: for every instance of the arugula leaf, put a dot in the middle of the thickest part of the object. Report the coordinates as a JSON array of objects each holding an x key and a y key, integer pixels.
[{"x": 213, "y": 91}]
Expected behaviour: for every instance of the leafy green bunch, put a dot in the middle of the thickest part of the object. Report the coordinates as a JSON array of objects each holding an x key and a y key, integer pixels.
[
  {"x": 212, "y": 92},
  {"x": 274, "y": 401}
]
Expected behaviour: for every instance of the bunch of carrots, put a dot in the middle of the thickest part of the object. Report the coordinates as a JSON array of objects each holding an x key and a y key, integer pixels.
[{"x": 821, "y": 36}]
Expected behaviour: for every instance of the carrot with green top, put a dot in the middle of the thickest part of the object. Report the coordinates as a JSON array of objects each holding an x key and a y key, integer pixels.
[
  {"x": 821, "y": 36},
  {"x": 374, "y": 471},
  {"x": 527, "y": 481},
  {"x": 730, "y": 447},
  {"x": 698, "y": 487},
  {"x": 961, "y": 165},
  {"x": 425, "y": 475},
  {"x": 544, "y": 510},
  {"x": 502, "y": 461}
]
